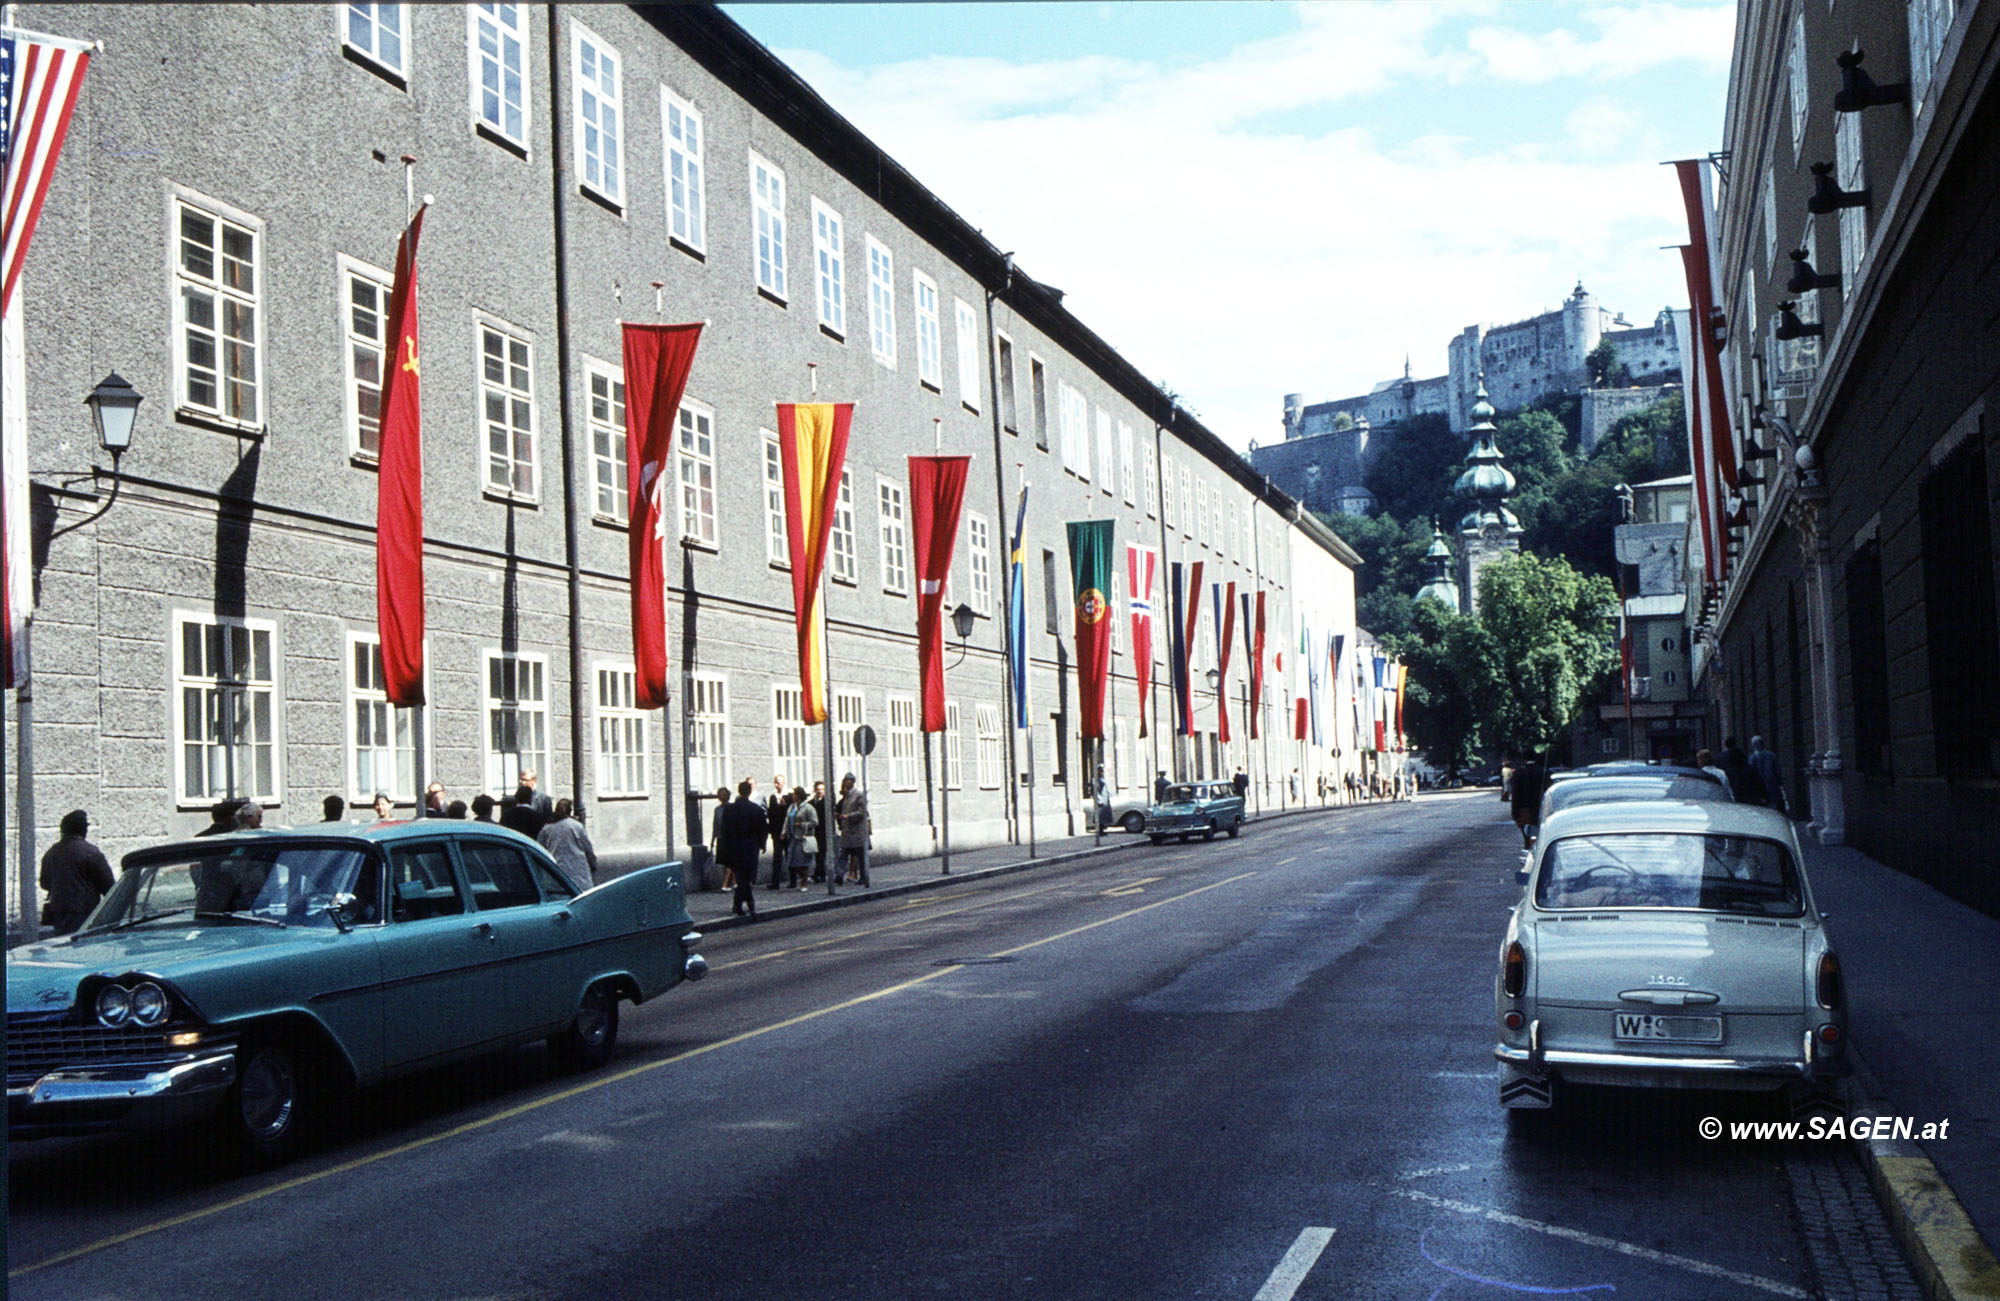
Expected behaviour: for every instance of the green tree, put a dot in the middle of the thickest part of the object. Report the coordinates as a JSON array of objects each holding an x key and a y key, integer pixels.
[
  {"x": 1606, "y": 371},
  {"x": 1550, "y": 628},
  {"x": 1455, "y": 669}
]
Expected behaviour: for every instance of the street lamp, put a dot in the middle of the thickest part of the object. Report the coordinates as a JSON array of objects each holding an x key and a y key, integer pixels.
[
  {"x": 961, "y": 623},
  {"x": 114, "y": 409}
]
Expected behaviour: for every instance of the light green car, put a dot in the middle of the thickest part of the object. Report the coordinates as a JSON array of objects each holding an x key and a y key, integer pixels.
[{"x": 254, "y": 977}]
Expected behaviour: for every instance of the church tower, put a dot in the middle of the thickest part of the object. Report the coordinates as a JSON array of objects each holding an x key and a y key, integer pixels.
[
  {"x": 1438, "y": 585},
  {"x": 1488, "y": 529}
]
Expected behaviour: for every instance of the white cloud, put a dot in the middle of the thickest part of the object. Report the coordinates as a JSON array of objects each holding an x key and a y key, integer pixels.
[{"x": 1237, "y": 260}]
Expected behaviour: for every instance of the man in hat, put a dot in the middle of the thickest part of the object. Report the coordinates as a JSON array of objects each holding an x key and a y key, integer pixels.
[{"x": 75, "y": 875}]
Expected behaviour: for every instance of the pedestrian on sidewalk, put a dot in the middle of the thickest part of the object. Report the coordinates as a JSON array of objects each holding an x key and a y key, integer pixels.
[
  {"x": 776, "y": 807},
  {"x": 744, "y": 829},
  {"x": 385, "y": 808},
  {"x": 221, "y": 818},
  {"x": 1744, "y": 783},
  {"x": 436, "y": 802},
  {"x": 1765, "y": 765},
  {"x": 75, "y": 874},
  {"x": 1530, "y": 779},
  {"x": 1704, "y": 759},
  {"x": 334, "y": 807},
  {"x": 1161, "y": 785},
  {"x": 1295, "y": 785},
  {"x": 482, "y": 807},
  {"x": 851, "y": 821},
  {"x": 801, "y": 833},
  {"x": 1100, "y": 793},
  {"x": 821, "y": 823},
  {"x": 715, "y": 836},
  {"x": 566, "y": 842},
  {"x": 1240, "y": 782}
]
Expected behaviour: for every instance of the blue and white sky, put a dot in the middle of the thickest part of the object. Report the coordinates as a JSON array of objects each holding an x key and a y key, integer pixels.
[{"x": 1253, "y": 198}]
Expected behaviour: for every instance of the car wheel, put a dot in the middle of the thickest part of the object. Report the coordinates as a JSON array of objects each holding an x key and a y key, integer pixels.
[
  {"x": 273, "y": 1101},
  {"x": 1234, "y": 828},
  {"x": 1133, "y": 822},
  {"x": 1209, "y": 832},
  {"x": 586, "y": 1043}
]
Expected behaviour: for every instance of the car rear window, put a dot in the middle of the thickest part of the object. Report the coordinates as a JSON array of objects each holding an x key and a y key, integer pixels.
[
  {"x": 1604, "y": 790},
  {"x": 1709, "y": 873}
]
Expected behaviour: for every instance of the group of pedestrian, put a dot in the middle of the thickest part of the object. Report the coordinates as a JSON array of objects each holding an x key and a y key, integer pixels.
[
  {"x": 797, "y": 829},
  {"x": 1751, "y": 778}
]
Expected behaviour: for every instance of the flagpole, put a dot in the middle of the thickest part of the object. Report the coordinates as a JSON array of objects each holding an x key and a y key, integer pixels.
[
  {"x": 1018, "y": 574},
  {"x": 944, "y": 784},
  {"x": 826, "y": 685},
  {"x": 666, "y": 702}
]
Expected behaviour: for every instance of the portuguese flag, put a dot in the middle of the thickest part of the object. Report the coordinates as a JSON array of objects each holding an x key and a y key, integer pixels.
[{"x": 1090, "y": 550}]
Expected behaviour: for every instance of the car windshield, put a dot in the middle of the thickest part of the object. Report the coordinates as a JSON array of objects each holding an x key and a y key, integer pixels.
[
  {"x": 1181, "y": 795},
  {"x": 1604, "y": 790},
  {"x": 288, "y": 884},
  {"x": 1671, "y": 870}
]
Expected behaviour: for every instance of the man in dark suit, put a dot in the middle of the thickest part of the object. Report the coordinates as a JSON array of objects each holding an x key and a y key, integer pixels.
[
  {"x": 774, "y": 821},
  {"x": 744, "y": 828}
]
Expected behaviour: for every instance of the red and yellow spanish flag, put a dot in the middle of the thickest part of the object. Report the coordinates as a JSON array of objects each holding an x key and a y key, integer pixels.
[
  {"x": 812, "y": 447},
  {"x": 657, "y": 361},
  {"x": 399, "y": 491},
  {"x": 937, "y": 491}
]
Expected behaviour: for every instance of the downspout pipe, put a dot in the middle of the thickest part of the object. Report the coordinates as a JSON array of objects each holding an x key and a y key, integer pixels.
[{"x": 560, "y": 174}]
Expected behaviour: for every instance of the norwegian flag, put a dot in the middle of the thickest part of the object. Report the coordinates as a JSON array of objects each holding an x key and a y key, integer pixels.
[
  {"x": 39, "y": 80},
  {"x": 1140, "y": 564}
]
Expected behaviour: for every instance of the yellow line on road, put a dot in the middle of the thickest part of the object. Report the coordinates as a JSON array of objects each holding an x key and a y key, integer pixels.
[
  {"x": 522, "y": 1109},
  {"x": 1131, "y": 887}
]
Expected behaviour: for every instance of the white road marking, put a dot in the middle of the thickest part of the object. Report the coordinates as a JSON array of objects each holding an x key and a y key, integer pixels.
[
  {"x": 1693, "y": 1266},
  {"x": 1293, "y": 859},
  {"x": 1430, "y": 1170},
  {"x": 1298, "y": 1262},
  {"x": 1461, "y": 1075}
]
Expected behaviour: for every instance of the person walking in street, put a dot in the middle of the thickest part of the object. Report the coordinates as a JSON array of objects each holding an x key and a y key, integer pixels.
[
  {"x": 851, "y": 821},
  {"x": 822, "y": 823},
  {"x": 744, "y": 830},
  {"x": 776, "y": 807},
  {"x": 715, "y": 836},
  {"x": 75, "y": 874},
  {"x": 1765, "y": 765},
  {"x": 801, "y": 832},
  {"x": 1744, "y": 783},
  {"x": 1240, "y": 782},
  {"x": 566, "y": 842},
  {"x": 1530, "y": 779},
  {"x": 334, "y": 807}
]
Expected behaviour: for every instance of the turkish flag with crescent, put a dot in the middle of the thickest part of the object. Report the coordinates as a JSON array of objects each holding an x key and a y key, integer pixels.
[
  {"x": 657, "y": 361},
  {"x": 399, "y": 491}
]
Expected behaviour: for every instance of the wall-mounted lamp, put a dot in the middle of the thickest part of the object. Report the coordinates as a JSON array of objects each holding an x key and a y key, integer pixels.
[
  {"x": 1858, "y": 90},
  {"x": 1805, "y": 279},
  {"x": 114, "y": 409},
  {"x": 1791, "y": 327},
  {"x": 1827, "y": 196},
  {"x": 961, "y": 623}
]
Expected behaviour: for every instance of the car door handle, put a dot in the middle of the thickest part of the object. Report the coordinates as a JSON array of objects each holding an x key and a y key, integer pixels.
[
  {"x": 562, "y": 915},
  {"x": 485, "y": 929}
]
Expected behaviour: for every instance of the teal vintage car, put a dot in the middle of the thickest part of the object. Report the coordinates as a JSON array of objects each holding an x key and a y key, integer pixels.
[
  {"x": 1196, "y": 809},
  {"x": 254, "y": 977}
]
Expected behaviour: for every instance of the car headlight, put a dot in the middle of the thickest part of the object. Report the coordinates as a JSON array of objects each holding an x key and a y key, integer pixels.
[
  {"x": 114, "y": 1005},
  {"x": 149, "y": 1004}
]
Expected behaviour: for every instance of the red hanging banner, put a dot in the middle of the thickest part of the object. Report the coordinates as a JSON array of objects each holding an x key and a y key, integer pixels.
[
  {"x": 937, "y": 491},
  {"x": 657, "y": 361},
  {"x": 399, "y": 490}
]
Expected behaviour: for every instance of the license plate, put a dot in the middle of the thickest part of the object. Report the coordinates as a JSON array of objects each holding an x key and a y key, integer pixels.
[{"x": 1647, "y": 1028}]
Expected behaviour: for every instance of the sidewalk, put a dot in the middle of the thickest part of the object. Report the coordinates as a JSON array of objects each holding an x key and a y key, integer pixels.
[{"x": 1922, "y": 973}]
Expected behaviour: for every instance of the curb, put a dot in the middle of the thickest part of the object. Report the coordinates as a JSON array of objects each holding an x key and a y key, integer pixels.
[{"x": 1944, "y": 1249}]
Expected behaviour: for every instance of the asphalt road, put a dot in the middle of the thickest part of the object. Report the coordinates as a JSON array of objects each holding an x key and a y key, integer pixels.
[{"x": 1249, "y": 1069}]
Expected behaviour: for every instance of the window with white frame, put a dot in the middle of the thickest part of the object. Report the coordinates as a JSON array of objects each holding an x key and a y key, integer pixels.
[
  {"x": 226, "y": 728},
  {"x": 1930, "y": 23},
  {"x": 499, "y": 39},
  {"x": 849, "y": 712},
  {"x": 846, "y": 561},
  {"x": 881, "y": 302},
  {"x": 969, "y": 344},
  {"x": 1010, "y": 416},
  {"x": 381, "y": 744},
  {"x": 1853, "y": 221},
  {"x": 930, "y": 348},
  {"x": 708, "y": 732},
  {"x": 954, "y": 748},
  {"x": 1167, "y": 466},
  {"x": 1105, "y": 477},
  {"x": 1187, "y": 499},
  {"x": 1038, "y": 397},
  {"x": 767, "y": 205},
  {"x": 902, "y": 743},
  {"x": 220, "y": 341},
  {"x": 979, "y": 561},
  {"x": 600, "y": 116},
  {"x": 1075, "y": 414},
  {"x": 893, "y": 527},
  {"x": 621, "y": 733},
  {"x": 516, "y": 739},
  {"x": 1201, "y": 512},
  {"x": 379, "y": 34},
  {"x": 1795, "y": 61},
  {"x": 1152, "y": 490},
  {"x": 508, "y": 399},
  {"x": 788, "y": 738},
  {"x": 696, "y": 441},
  {"x": 991, "y": 757},
  {"x": 1230, "y": 534},
  {"x": 364, "y": 323},
  {"x": 681, "y": 122},
  {"x": 1128, "y": 473},
  {"x": 611, "y": 497},
  {"x": 829, "y": 268},
  {"x": 777, "y": 542}
]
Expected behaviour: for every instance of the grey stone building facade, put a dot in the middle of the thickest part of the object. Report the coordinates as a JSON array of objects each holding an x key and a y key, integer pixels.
[
  {"x": 1856, "y": 626},
  {"x": 219, "y": 232}
]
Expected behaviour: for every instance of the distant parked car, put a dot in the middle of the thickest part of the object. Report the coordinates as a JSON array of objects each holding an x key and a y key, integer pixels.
[
  {"x": 1128, "y": 811},
  {"x": 255, "y": 976},
  {"x": 1196, "y": 809},
  {"x": 1595, "y": 786},
  {"x": 1670, "y": 945}
]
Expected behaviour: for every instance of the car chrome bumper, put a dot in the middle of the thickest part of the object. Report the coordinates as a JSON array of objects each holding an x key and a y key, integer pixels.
[
  {"x": 1810, "y": 1066},
  {"x": 87, "y": 1099}
]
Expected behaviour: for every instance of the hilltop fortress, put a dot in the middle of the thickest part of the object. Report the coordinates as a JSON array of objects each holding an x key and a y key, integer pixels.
[{"x": 1324, "y": 459}]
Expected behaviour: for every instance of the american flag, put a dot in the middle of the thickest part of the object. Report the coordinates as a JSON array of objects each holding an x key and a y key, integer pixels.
[{"x": 39, "y": 80}]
